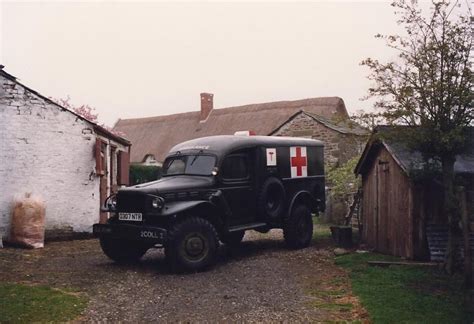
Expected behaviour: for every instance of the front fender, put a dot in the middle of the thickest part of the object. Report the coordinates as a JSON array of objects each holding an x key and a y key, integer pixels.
[{"x": 177, "y": 207}]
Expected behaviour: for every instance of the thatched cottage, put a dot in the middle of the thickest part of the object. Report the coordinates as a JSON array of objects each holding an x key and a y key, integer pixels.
[{"x": 325, "y": 119}]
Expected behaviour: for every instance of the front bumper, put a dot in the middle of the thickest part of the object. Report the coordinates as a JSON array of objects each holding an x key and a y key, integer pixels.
[{"x": 130, "y": 232}]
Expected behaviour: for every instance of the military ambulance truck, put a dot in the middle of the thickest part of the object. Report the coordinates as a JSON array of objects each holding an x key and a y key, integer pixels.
[{"x": 214, "y": 189}]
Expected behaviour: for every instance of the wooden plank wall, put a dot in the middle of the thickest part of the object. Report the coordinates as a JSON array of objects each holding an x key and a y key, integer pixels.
[{"x": 387, "y": 206}]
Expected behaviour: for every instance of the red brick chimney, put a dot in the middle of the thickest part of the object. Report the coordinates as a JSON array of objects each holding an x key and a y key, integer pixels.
[{"x": 207, "y": 103}]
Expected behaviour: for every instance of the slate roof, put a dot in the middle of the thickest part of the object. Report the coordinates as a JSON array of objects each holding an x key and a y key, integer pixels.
[
  {"x": 344, "y": 126},
  {"x": 157, "y": 135},
  {"x": 410, "y": 160}
]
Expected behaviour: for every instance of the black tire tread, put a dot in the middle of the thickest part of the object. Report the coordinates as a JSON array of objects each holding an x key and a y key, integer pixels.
[
  {"x": 170, "y": 249},
  {"x": 290, "y": 232}
]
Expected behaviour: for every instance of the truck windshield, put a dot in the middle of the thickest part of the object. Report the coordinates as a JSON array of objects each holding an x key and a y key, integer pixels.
[{"x": 189, "y": 164}]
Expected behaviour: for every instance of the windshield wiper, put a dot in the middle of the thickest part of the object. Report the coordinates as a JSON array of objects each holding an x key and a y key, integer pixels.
[{"x": 195, "y": 157}]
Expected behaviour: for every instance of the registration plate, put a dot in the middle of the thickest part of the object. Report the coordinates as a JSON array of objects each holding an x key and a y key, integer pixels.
[{"x": 134, "y": 217}]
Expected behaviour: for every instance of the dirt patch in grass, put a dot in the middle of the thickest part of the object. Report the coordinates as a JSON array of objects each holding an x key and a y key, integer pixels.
[{"x": 331, "y": 291}]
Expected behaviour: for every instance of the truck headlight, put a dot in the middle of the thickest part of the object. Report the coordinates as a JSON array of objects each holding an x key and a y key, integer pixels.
[
  {"x": 157, "y": 202},
  {"x": 112, "y": 202}
]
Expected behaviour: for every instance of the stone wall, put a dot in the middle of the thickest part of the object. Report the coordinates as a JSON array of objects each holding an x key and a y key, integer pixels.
[
  {"x": 338, "y": 147},
  {"x": 47, "y": 151}
]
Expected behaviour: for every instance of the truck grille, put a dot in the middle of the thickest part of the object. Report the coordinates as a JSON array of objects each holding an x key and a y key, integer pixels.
[
  {"x": 187, "y": 195},
  {"x": 128, "y": 202}
]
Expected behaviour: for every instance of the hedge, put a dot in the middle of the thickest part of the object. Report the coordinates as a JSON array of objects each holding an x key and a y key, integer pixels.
[{"x": 144, "y": 173}]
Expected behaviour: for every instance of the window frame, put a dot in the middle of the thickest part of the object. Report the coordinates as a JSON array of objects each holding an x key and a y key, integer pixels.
[{"x": 236, "y": 180}]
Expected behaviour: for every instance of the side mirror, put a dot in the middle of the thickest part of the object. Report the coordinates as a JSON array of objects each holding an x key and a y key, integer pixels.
[{"x": 215, "y": 171}]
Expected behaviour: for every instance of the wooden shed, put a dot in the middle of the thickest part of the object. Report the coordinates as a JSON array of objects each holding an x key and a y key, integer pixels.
[{"x": 400, "y": 210}]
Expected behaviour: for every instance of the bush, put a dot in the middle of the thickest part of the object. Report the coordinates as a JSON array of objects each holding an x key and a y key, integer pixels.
[
  {"x": 343, "y": 185},
  {"x": 342, "y": 180},
  {"x": 144, "y": 173}
]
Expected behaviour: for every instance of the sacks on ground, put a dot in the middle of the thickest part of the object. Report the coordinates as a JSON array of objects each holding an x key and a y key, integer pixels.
[{"x": 28, "y": 217}]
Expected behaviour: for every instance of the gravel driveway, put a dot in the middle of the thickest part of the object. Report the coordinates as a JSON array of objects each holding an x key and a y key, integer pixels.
[{"x": 261, "y": 281}]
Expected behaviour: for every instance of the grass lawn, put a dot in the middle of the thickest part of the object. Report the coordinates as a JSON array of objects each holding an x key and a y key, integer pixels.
[
  {"x": 404, "y": 294},
  {"x": 321, "y": 230},
  {"x": 22, "y": 303}
]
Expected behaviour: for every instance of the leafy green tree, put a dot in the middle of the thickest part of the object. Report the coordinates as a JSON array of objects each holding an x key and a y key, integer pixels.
[{"x": 429, "y": 87}]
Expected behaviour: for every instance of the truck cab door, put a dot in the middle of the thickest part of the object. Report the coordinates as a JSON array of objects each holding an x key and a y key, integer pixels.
[{"x": 237, "y": 177}]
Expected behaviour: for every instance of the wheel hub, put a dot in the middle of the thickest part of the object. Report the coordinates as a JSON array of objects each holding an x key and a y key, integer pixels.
[{"x": 194, "y": 246}]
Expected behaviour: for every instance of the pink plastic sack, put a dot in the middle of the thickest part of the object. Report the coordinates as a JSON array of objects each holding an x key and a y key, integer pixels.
[{"x": 28, "y": 217}]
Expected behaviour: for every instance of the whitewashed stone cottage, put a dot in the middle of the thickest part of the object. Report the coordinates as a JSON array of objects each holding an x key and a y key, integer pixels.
[{"x": 48, "y": 150}]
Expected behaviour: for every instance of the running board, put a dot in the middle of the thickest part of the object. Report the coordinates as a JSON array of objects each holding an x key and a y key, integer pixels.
[{"x": 247, "y": 227}]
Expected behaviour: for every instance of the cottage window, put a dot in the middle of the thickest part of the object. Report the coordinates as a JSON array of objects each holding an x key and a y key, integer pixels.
[
  {"x": 113, "y": 168},
  {"x": 100, "y": 156}
]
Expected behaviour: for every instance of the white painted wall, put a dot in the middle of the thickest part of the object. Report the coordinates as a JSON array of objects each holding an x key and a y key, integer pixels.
[{"x": 50, "y": 152}]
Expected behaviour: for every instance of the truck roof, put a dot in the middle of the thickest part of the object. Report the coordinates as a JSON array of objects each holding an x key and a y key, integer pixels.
[{"x": 222, "y": 144}]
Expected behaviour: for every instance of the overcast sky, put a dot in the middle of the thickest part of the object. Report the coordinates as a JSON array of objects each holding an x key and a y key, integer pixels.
[{"x": 137, "y": 59}]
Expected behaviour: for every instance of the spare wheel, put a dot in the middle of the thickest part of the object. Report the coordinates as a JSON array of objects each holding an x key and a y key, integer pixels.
[{"x": 271, "y": 199}]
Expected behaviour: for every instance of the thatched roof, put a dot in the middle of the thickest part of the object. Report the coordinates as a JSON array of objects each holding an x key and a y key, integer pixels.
[{"x": 156, "y": 135}]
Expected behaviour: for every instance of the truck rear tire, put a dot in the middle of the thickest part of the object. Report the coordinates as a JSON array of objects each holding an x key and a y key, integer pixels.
[
  {"x": 192, "y": 245},
  {"x": 122, "y": 251},
  {"x": 298, "y": 230}
]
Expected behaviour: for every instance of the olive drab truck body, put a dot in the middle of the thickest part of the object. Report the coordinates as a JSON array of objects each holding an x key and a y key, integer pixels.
[{"x": 214, "y": 189}]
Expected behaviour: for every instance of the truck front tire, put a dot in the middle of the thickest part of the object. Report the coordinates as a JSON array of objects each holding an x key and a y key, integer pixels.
[
  {"x": 122, "y": 251},
  {"x": 192, "y": 245},
  {"x": 298, "y": 230}
]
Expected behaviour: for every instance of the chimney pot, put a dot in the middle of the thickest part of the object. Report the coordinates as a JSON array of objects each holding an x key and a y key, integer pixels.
[{"x": 207, "y": 104}]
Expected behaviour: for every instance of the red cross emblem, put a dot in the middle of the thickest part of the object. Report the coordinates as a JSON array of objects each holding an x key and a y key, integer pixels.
[{"x": 299, "y": 164}]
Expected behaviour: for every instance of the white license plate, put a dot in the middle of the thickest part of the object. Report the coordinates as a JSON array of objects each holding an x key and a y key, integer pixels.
[{"x": 134, "y": 217}]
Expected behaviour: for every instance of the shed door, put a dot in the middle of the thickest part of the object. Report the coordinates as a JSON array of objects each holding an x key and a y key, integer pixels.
[{"x": 382, "y": 214}]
